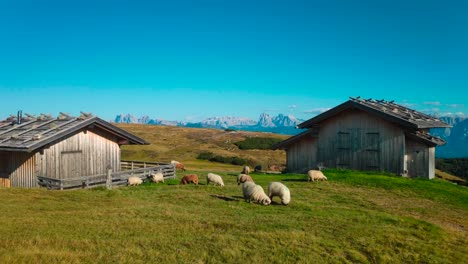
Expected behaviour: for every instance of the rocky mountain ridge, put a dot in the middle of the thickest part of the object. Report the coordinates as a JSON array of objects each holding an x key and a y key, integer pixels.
[
  {"x": 281, "y": 124},
  {"x": 456, "y": 136}
]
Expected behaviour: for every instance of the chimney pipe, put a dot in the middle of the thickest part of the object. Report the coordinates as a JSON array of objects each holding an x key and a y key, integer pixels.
[{"x": 19, "y": 117}]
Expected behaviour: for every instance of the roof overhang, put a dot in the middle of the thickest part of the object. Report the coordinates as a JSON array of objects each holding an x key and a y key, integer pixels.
[
  {"x": 123, "y": 137},
  {"x": 380, "y": 111},
  {"x": 425, "y": 138}
]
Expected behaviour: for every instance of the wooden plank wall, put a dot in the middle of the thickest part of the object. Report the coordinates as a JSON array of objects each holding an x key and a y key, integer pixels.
[
  {"x": 93, "y": 150},
  {"x": 372, "y": 143},
  {"x": 22, "y": 167},
  {"x": 420, "y": 160},
  {"x": 302, "y": 156}
]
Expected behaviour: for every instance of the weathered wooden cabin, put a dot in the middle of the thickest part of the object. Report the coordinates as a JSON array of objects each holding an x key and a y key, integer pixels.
[
  {"x": 373, "y": 135},
  {"x": 58, "y": 148}
]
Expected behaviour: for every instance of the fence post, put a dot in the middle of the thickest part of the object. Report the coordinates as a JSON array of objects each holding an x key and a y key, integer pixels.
[{"x": 109, "y": 179}]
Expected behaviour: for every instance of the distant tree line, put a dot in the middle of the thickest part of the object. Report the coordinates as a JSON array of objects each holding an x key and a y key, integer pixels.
[
  {"x": 456, "y": 166},
  {"x": 257, "y": 143},
  {"x": 217, "y": 158}
]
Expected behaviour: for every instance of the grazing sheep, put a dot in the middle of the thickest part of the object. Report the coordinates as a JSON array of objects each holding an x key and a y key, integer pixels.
[
  {"x": 178, "y": 165},
  {"x": 246, "y": 170},
  {"x": 189, "y": 178},
  {"x": 157, "y": 177},
  {"x": 280, "y": 190},
  {"x": 274, "y": 167},
  {"x": 316, "y": 175},
  {"x": 134, "y": 181},
  {"x": 214, "y": 178},
  {"x": 243, "y": 178},
  {"x": 252, "y": 191}
]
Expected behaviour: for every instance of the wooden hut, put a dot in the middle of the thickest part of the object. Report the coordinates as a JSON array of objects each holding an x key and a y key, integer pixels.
[
  {"x": 58, "y": 148},
  {"x": 373, "y": 135}
]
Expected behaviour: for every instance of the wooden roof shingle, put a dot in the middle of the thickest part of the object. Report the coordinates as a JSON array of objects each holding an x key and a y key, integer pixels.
[
  {"x": 32, "y": 133},
  {"x": 388, "y": 110}
]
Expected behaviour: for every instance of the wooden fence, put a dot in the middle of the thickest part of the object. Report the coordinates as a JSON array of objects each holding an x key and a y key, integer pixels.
[
  {"x": 131, "y": 165},
  {"x": 143, "y": 170}
]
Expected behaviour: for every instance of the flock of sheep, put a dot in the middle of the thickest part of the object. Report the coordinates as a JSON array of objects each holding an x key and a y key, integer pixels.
[{"x": 250, "y": 190}]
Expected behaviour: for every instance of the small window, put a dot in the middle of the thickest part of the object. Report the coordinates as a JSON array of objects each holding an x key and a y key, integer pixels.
[
  {"x": 344, "y": 140},
  {"x": 372, "y": 141}
]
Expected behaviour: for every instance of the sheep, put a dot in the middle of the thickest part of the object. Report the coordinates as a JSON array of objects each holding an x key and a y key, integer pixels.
[
  {"x": 214, "y": 178},
  {"x": 255, "y": 192},
  {"x": 178, "y": 165},
  {"x": 134, "y": 181},
  {"x": 243, "y": 178},
  {"x": 157, "y": 177},
  {"x": 280, "y": 190},
  {"x": 246, "y": 170},
  {"x": 189, "y": 178},
  {"x": 316, "y": 175}
]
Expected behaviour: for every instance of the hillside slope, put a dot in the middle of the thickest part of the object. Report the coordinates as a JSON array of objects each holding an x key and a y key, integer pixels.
[
  {"x": 184, "y": 144},
  {"x": 353, "y": 217}
]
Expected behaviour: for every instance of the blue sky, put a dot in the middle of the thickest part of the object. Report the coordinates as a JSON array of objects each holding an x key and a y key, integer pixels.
[{"x": 189, "y": 60}]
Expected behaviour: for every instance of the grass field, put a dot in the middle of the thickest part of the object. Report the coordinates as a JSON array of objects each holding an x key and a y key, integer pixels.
[{"x": 355, "y": 217}]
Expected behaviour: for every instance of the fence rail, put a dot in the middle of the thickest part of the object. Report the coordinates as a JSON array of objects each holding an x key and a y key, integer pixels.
[
  {"x": 131, "y": 165},
  {"x": 143, "y": 170}
]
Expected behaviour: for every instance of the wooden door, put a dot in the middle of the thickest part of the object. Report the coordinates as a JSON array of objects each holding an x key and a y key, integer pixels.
[
  {"x": 372, "y": 151},
  {"x": 344, "y": 150}
]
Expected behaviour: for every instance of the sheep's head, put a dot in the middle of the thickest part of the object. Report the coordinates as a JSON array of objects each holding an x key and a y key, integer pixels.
[{"x": 266, "y": 201}]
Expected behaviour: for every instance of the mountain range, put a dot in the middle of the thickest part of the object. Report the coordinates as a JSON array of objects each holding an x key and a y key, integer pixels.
[
  {"x": 456, "y": 136},
  {"x": 280, "y": 124}
]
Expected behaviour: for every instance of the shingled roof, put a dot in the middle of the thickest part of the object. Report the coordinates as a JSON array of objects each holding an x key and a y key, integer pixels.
[
  {"x": 30, "y": 133},
  {"x": 386, "y": 109}
]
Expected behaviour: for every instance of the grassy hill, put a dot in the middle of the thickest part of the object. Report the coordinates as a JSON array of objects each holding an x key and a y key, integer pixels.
[
  {"x": 184, "y": 144},
  {"x": 354, "y": 217}
]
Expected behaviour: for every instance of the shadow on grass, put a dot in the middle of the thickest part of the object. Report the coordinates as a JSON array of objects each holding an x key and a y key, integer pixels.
[
  {"x": 275, "y": 203},
  {"x": 225, "y": 198}
]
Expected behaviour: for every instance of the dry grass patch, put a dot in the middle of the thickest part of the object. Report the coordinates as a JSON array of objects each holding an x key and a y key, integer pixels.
[{"x": 184, "y": 144}]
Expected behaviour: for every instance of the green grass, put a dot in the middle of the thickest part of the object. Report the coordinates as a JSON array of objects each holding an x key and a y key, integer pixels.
[{"x": 354, "y": 217}]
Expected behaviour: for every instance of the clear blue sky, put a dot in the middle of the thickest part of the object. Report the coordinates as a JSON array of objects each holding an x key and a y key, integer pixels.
[{"x": 190, "y": 60}]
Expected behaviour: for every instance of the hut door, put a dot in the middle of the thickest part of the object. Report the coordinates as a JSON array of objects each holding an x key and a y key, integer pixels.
[
  {"x": 372, "y": 150},
  {"x": 344, "y": 150},
  {"x": 70, "y": 166}
]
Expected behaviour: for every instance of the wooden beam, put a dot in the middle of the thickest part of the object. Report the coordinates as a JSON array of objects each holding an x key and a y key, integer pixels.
[
  {"x": 29, "y": 130},
  {"x": 47, "y": 131},
  {"x": 16, "y": 127}
]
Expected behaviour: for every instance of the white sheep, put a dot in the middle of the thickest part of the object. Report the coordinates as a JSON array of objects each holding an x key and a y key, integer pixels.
[
  {"x": 243, "y": 178},
  {"x": 134, "y": 181},
  {"x": 214, "y": 178},
  {"x": 157, "y": 177},
  {"x": 280, "y": 190},
  {"x": 316, "y": 175},
  {"x": 246, "y": 170},
  {"x": 252, "y": 191}
]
